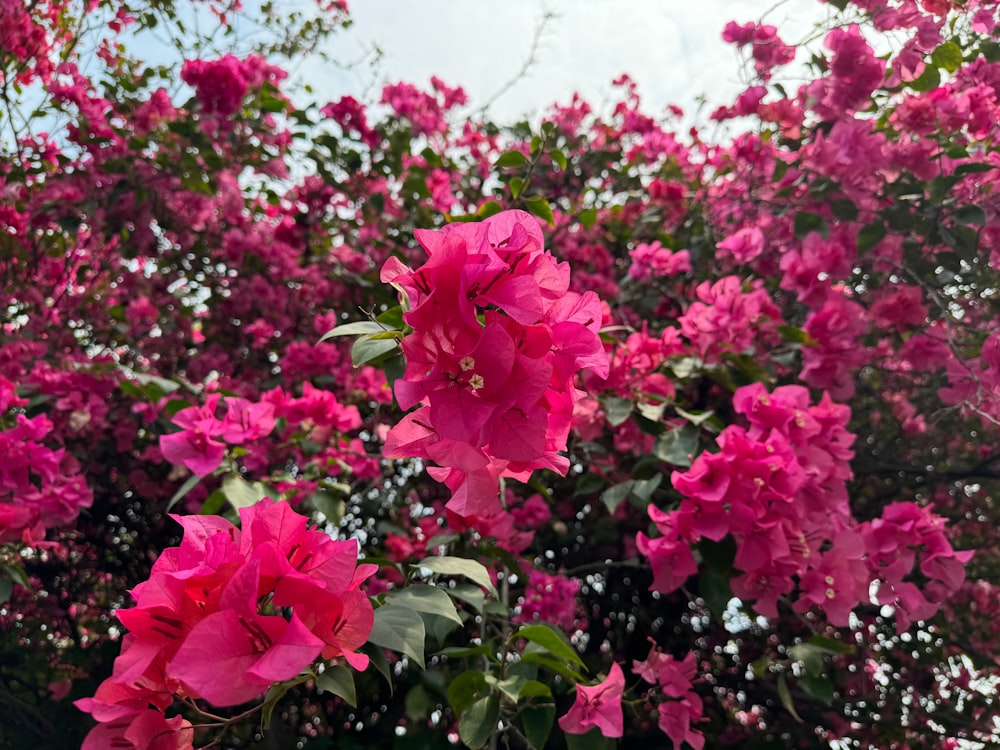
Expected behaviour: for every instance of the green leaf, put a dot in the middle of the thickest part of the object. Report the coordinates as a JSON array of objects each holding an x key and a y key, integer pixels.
[
  {"x": 339, "y": 680},
  {"x": 551, "y": 640},
  {"x": 694, "y": 417},
  {"x": 368, "y": 349},
  {"x": 643, "y": 489},
  {"x": 928, "y": 80},
  {"x": 488, "y": 209},
  {"x": 399, "y": 629},
  {"x": 715, "y": 590},
  {"x": 592, "y": 740},
  {"x": 385, "y": 336},
  {"x": 536, "y": 722},
  {"x": 6, "y": 589},
  {"x": 459, "y": 566},
  {"x": 423, "y": 598},
  {"x": 458, "y": 652},
  {"x": 465, "y": 689},
  {"x": 510, "y": 159},
  {"x": 167, "y": 386},
  {"x": 587, "y": 217},
  {"x": 479, "y": 721},
  {"x": 786, "y": 697},
  {"x": 844, "y": 209},
  {"x": 677, "y": 446},
  {"x": 442, "y": 540},
  {"x": 807, "y": 221},
  {"x": 973, "y": 168},
  {"x": 613, "y": 496},
  {"x": 392, "y": 318},
  {"x": 330, "y": 506},
  {"x": 516, "y": 186},
  {"x": 588, "y": 484},
  {"x": 377, "y": 659},
  {"x": 820, "y": 688},
  {"x": 813, "y": 657},
  {"x": 685, "y": 367},
  {"x": 795, "y": 335},
  {"x": 832, "y": 645},
  {"x": 970, "y": 214},
  {"x": 184, "y": 489},
  {"x": 418, "y": 703},
  {"x": 538, "y": 206},
  {"x": 17, "y": 575},
  {"x": 534, "y": 689},
  {"x": 394, "y": 368},
  {"x": 652, "y": 412},
  {"x": 468, "y": 593},
  {"x": 512, "y": 687},
  {"x": 242, "y": 494},
  {"x": 947, "y": 56},
  {"x": 358, "y": 328},
  {"x": 559, "y": 158},
  {"x": 543, "y": 659},
  {"x": 617, "y": 410},
  {"x": 870, "y": 235},
  {"x": 214, "y": 504}
]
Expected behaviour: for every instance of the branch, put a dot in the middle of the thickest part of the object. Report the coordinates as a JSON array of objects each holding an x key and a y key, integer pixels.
[{"x": 547, "y": 16}]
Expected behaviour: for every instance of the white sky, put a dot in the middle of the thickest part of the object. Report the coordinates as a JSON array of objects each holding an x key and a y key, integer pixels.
[{"x": 672, "y": 48}]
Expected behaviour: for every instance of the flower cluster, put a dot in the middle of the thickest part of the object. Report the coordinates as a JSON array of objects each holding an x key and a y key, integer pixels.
[
  {"x": 779, "y": 488},
  {"x": 893, "y": 543},
  {"x": 726, "y": 318},
  {"x": 674, "y": 678},
  {"x": 221, "y": 85},
  {"x": 651, "y": 259},
  {"x": 230, "y": 612},
  {"x": 198, "y": 447},
  {"x": 767, "y": 48},
  {"x": 40, "y": 487},
  {"x": 497, "y": 340},
  {"x": 317, "y": 415},
  {"x": 551, "y": 598}
]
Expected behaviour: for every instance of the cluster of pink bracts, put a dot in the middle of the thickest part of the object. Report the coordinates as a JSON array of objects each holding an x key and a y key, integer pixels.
[
  {"x": 497, "y": 340},
  {"x": 227, "y": 614}
]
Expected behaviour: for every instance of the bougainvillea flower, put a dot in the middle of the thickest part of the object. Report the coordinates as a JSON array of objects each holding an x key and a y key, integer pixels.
[
  {"x": 497, "y": 340},
  {"x": 142, "y": 730},
  {"x": 598, "y": 706},
  {"x": 675, "y": 721},
  {"x": 246, "y": 421},
  {"x": 236, "y": 654},
  {"x": 194, "y": 448}
]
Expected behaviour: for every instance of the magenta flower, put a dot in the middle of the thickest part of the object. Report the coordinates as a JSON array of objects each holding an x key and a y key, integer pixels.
[
  {"x": 675, "y": 721},
  {"x": 598, "y": 706},
  {"x": 236, "y": 654}
]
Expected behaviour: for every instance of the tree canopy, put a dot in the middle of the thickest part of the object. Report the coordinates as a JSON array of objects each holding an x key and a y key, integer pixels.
[{"x": 379, "y": 424}]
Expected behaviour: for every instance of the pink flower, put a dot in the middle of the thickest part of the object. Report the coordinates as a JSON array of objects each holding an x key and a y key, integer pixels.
[
  {"x": 550, "y": 598},
  {"x": 143, "y": 730},
  {"x": 676, "y": 718},
  {"x": 496, "y": 344},
  {"x": 246, "y": 421},
  {"x": 598, "y": 706},
  {"x": 194, "y": 446},
  {"x": 672, "y": 675},
  {"x": 236, "y": 654},
  {"x": 744, "y": 245}
]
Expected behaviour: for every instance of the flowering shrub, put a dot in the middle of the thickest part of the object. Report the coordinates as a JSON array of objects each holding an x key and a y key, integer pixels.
[{"x": 532, "y": 436}]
